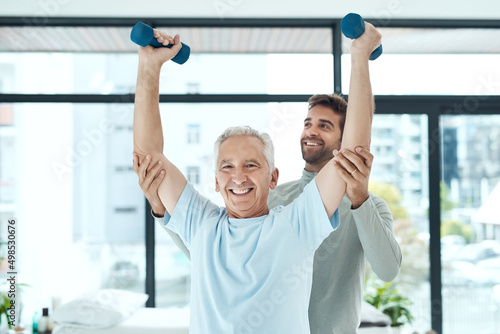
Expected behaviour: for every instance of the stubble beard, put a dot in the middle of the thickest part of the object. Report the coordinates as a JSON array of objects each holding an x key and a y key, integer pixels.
[{"x": 320, "y": 157}]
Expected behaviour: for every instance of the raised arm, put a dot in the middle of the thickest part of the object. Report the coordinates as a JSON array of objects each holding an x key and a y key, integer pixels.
[
  {"x": 360, "y": 108},
  {"x": 148, "y": 133},
  {"x": 149, "y": 179}
]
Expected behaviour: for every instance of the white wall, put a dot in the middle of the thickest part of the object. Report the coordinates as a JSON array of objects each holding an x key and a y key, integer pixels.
[{"x": 377, "y": 9}]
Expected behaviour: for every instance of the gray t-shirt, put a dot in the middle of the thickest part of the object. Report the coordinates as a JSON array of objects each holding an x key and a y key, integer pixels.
[{"x": 339, "y": 263}]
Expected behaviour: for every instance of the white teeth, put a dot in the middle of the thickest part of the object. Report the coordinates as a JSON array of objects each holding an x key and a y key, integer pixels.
[
  {"x": 312, "y": 144},
  {"x": 240, "y": 191}
]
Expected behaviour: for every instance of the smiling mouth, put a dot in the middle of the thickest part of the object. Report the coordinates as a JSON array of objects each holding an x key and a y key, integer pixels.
[
  {"x": 308, "y": 143},
  {"x": 241, "y": 191}
]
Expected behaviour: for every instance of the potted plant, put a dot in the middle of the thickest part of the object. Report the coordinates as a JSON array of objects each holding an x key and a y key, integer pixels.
[
  {"x": 4, "y": 306},
  {"x": 385, "y": 297},
  {"x": 5, "y": 301}
]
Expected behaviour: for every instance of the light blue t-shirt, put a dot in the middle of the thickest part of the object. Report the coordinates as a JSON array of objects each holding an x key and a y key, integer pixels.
[{"x": 251, "y": 275}]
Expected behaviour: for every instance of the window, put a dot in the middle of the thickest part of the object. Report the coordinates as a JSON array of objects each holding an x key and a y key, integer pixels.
[
  {"x": 193, "y": 174},
  {"x": 406, "y": 193},
  {"x": 71, "y": 169},
  {"x": 414, "y": 55},
  {"x": 193, "y": 133},
  {"x": 475, "y": 81},
  {"x": 8, "y": 164},
  {"x": 470, "y": 227},
  {"x": 87, "y": 192},
  {"x": 256, "y": 60}
]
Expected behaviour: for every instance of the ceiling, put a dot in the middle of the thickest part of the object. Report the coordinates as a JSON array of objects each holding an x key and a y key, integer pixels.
[{"x": 248, "y": 40}]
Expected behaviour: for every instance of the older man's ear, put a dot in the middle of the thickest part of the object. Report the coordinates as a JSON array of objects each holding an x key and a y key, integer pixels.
[{"x": 274, "y": 178}]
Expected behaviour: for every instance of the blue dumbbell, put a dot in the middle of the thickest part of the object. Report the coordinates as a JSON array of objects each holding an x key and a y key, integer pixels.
[
  {"x": 353, "y": 26},
  {"x": 142, "y": 34}
]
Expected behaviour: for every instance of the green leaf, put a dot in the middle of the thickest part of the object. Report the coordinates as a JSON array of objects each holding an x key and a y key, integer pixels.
[{"x": 385, "y": 297}]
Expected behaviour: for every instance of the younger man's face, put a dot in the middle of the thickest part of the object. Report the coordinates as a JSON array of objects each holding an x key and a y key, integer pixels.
[{"x": 320, "y": 136}]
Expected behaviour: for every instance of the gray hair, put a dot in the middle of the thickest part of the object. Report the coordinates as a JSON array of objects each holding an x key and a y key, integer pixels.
[{"x": 247, "y": 131}]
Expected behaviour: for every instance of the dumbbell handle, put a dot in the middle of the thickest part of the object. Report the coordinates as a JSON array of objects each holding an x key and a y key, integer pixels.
[
  {"x": 353, "y": 26},
  {"x": 142, "y": 34}
]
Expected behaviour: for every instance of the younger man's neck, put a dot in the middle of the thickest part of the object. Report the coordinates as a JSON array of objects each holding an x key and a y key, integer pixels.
[{"x": 314, "y": 168}]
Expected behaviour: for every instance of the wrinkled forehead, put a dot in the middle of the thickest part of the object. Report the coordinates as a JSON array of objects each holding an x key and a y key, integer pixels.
[{"x": 241, "y": 148}]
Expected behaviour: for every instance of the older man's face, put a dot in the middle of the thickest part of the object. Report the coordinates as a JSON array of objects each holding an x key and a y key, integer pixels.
[{"x": 243, "y": 177}]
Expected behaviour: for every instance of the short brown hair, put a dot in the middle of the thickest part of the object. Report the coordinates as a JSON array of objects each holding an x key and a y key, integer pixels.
[{"x": 333, "y": 101}]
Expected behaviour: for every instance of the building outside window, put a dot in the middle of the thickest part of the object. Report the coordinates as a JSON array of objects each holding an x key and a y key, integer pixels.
[
  {"x": 193, "y": 133},
  {"x": 193, "y": 174}
]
